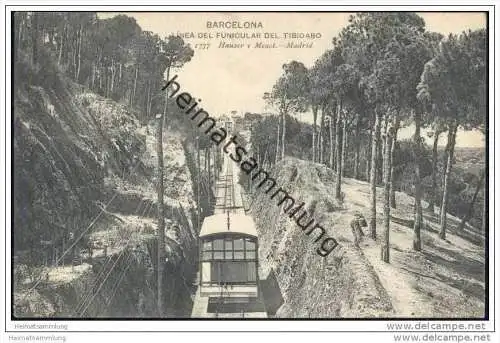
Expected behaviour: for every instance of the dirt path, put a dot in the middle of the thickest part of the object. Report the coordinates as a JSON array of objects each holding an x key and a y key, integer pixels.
[
  {"x": 405, "y": 299},
  {"x": 445, "y": 279}
]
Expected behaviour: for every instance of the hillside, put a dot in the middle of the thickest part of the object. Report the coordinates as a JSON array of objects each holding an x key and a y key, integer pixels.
[
  {"x": 445, "y": 279},
  {"x": 84, "y": 210}
]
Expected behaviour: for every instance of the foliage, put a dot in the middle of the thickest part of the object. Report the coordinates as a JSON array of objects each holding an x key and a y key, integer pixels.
[
  {"x": 454, "y": 81},
  {"x": 113, "y": 57},
  {"x": 289, "y": 92}
]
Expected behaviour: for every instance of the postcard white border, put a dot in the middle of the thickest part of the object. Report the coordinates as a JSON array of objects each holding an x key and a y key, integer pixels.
[{"x": 345, "y": 326}]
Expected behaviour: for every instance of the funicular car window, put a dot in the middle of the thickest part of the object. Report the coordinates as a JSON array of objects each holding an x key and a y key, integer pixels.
[
  {"x": 238, "y": 244},
  {"x": 207, "y": 250},
  {"x": 239, "y": 255},
  {"x": 250, "y": 255},
  {"x": 218, "y": 244},
  {"x": 229, "y": 248},
  {"x": 218, "y": 255},
  {"x": 249, "y": 244}
]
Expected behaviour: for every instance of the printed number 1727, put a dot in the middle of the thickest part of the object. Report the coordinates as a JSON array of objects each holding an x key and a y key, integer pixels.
[{"x": 202, "y": 46}]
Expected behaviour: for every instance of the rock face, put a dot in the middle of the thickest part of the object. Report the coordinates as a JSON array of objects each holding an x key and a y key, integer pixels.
[
  {"x": 80, "y": 295},
  {"x": 120, "y": 285},
  {"x": 77, "y": 153},
  {"x": 62, "y": 154},
  {"x": 340, "y": 285}
]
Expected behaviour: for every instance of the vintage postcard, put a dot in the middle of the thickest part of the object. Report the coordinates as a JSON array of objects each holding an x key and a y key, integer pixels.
[{"x": 261, "y": 165}]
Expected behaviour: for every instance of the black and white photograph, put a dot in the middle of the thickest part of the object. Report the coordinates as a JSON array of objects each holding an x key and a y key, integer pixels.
[{"x": 183, "y": 168}]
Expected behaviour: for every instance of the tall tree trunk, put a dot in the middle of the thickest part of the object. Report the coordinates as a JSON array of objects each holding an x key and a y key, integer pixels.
[
  {"x": 417, "y": 224},
  {"x": 277, "y": 155},
  {"x": 79, "y": 60},
  {"x": 106, "y": 83},
  {"x": 150, "y": 104},
  {"x": 148, "y": 96},
  {"x": 357, "y": 144},
  {"x": 383, "y": 141},
  {"x": 321, "y": 136},
  {"x": 92, "y": 77},
  {"x": 381, "y": 152},
  {"x": 214, "y": 158},
  {"x": 338, "y": 193},
  {"x": 98, "y": 70},
  {"x": 331, "y": 129},
  {"x": 396, "y": 124},
  {"x": 344, "y": 145},
  {"x": 368, "y": 154},
  {"x": 205, "y": 168},
  {"x": 283, "y": 133},
  {"x": 445, "y": 166},
  {"x": 384, "y": 254},
  {"x": 198, "y": 182},
  {"x": 61, "y": 45},
  {"x": 467, "y": 217},
  {"x": 333, "y": 139},
  {"x": 113, "y": 72},
  {"x": 161, "y": 220},
  {"x": 259, "y": 160},
  {"x": 73, "y": 54},
  {"x": 135, "y": 89},
  {"x": 373, "y": 175},
  {"x": 484, "y": 209},
  {"x": 34, "y": 38},
  {"x": 434, "y": 191},
  {"x": 452, "y": 132},
  {"x": 266, "y": 162},
  {"x": 315, "y": 117},
  {"x": 21, "y": 22},
  {"x": 209, "y": 169},
  {"x": 120, "y": 75},
  {"x": 165, "y": 105}
]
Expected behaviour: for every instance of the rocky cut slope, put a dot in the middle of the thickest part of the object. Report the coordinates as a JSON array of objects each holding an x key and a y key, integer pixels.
[
  {"x": 62, "y": 153},
  {"x": 83, "y": 165},
  {"x": 446, "y": 279},
  {"x": 340, "y": 285}
]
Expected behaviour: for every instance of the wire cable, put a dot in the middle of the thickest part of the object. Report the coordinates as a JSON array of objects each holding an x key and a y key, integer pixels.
[
  {"x": 103, "y": 268},
  {"x": 82, "y": 234},
  {"x": 108, "y": 274}
]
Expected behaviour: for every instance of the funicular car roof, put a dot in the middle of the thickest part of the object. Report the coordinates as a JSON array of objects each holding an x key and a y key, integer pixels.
[{"x": 238, "y": 223}]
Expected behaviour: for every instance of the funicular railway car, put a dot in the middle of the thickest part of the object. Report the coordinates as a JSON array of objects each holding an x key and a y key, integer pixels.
[
  {"x": 228, "y": 256},
  {"x": 228, "y": 275}
]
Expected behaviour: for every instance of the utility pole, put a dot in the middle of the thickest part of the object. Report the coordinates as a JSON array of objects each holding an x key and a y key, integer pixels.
[{"x": 161, "y": 218}]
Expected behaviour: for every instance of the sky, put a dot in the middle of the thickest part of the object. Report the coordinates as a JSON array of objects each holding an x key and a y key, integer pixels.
[{"x": 235, "y": 78}]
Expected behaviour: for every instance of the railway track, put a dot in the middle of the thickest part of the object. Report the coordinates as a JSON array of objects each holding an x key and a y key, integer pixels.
[
  {"x": 228, "y": 195},
  {"x": 228, "y": 274}
]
